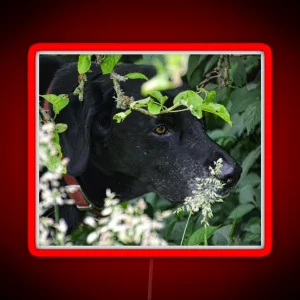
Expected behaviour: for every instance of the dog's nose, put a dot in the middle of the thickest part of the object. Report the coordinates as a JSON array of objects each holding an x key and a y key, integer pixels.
[{"x": 230, "y": 174}]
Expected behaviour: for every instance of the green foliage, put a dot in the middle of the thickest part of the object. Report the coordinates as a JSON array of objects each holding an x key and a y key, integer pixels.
[
  {"x": 108, "y": 63},
  {"x": 252, "y": 116},
  {"x": 60, "y": 127},
  {"x": 153, "y": 107},
  {"x": 158, "y": 96},
  {"x": 238, "y": 71},
  {"x": 243, "y": 97},
  {"x": 55, "y": 160},
  {"x": 58, "y": 102},
  {"x": 198, "y": 237},
  {"x": 136, "y": 75},
  {"x": 84, "y": 63},
  {"x": 222, "y": 235},
  {"x": 121, "y": 116},
  {"x": 189, "y": 99}
]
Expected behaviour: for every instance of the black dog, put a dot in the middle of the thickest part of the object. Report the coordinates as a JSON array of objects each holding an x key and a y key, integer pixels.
[{"x": 140, "y": 155}]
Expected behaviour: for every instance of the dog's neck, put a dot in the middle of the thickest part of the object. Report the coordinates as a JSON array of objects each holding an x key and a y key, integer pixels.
[{"x": 94, "y": 184}]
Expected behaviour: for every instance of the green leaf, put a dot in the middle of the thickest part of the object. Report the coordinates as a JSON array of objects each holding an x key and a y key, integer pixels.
[
  {"x": 169, "y": 229},
  {"x": 51, "y": 98},
  {"x": 158, "y": 96},
  {"x": 120, "y": 117},
  {"x": 188, "y": 98},
  {"x": 58, "y": 102},
  {"x": 216, "y": 134},
  {"x": 254, "y": 225},
  {"x": 217, "y": 109},
  {"x": 212, "y": 62},
  {"x": 58, "y": 150},
  {"x": 250, "y": 160},
  {"x": 64, "y": 101},
  {"x": 252, "y": 116},
  {"x": 195, "y": 72},
  {"x": 140, "y": 103},
  {"x": 108, "y": 63},
  {"x": 237, "y": 127},
  {"x": 193, "y": 63},
  {"x": 55, "y": 137},
  {"x": 60, "y": 127},
  {"x": 151, "y": 198},
  {"x": 84, "y": 63},
  {"x": 198, "y": 236},
  {"x": 136, "y": 75},
  {"x": 251, "y": 238},
  {"x": 53, "y": 163},
  {"x": 230, "y": 235},
  {"x": 210, "y": 96},
  {"x": 148, "y": 59},
  {"x": 221, "y": 236},
  {"x": 154, "y": 108},
  {"x": 191, "y": 100},
  {"x": 246, "y": 194},
  {"x": 238, "y": 73},
  {"x": 177, "y": 231},
  {"x": 251, "y": 63},
  {"x": 241, "y": 210},
  {"x": 252, "y": 179},
  {"x": 258, "y": 197},
  {"x": 241, "y": 98},
  {"x": 197, "y": 112}
]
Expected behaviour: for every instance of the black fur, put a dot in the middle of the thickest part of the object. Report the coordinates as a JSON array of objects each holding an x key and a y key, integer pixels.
[{"x": 129, "y": 158}]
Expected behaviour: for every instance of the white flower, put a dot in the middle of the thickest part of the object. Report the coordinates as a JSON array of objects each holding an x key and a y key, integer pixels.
[
  {"x": 92, "y": 237},
  {"x": 90, "y": 221},
  {"x": 61, "y": 226}
]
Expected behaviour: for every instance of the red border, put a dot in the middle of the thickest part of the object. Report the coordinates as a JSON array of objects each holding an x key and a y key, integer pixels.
[{"x": 151, "y": 252}]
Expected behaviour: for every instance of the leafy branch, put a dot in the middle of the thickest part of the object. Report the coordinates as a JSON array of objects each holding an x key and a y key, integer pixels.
[
  {"x": 155, "y": 102},
  {"x": 58, "y": 102}
]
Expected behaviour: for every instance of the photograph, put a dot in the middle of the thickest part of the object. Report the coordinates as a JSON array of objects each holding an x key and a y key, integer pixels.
[{"x": 159, "y": 150}]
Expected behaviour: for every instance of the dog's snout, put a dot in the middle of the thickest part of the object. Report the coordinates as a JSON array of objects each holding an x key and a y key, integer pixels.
[{"x": 230, "y": 174}]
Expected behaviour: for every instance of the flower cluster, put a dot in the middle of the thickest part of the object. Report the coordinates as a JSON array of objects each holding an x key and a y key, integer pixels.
[
  {"x": 126, "y": 225},
  {"x": 205, "y": 194},
  {"x": 51, "y": 233},
  {"x": 51, "y": 192}
]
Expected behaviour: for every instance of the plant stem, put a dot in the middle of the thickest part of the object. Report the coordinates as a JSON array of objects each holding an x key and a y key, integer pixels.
[
  {"x": 205, "y": 234},
  {"x": 186, "y": 225},
  {"x": 145, "y": 112},
  {"x": 56, "y": 213},
  {"x": 56, "y": 220},
  {"x": 179, "y": 110},
  {"x": 171, "y": 108},
  {"x": 226, "y": 70},
  {"x": 204, "y": 82}
]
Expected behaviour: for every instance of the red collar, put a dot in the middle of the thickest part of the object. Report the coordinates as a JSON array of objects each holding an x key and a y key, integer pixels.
[{"x": 81, "y": 201}]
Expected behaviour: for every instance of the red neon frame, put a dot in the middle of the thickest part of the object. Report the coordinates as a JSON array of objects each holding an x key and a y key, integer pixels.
[{"x": 34, "y": 49}]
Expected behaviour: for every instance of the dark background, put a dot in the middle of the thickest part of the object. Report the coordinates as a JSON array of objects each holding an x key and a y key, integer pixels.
[{"x": 118, "y": 21}]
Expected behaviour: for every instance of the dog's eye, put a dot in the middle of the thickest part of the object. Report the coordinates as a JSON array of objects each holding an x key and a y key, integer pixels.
[{"x": 161, "y": 129}]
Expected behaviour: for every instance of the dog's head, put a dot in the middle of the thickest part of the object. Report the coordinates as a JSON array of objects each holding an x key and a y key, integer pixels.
[{"x": 162, "y": 155}]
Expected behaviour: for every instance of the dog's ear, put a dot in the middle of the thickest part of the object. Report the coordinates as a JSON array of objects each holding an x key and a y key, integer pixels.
[{"x": 80, "y": 118}]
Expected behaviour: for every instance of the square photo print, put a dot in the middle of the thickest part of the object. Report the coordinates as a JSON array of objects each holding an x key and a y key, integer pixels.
[{"x": 149, "y": 150}]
